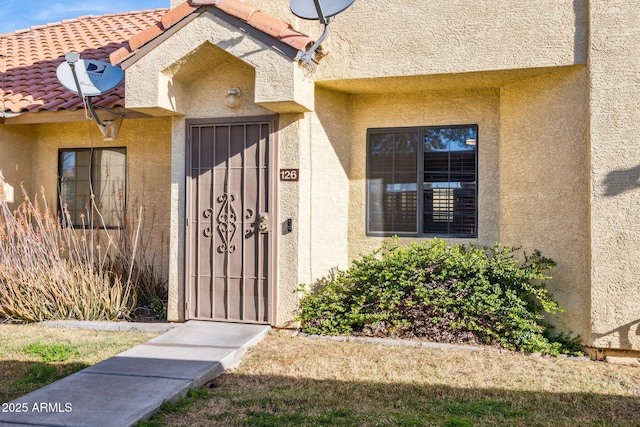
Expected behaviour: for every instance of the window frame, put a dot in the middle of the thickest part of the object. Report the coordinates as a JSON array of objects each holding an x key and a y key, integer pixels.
[
  {"x": 421, "y": 131},
  {"x": 92, "y": 179}
]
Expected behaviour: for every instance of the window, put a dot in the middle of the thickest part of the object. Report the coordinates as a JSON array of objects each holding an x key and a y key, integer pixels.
[
  {"x": 102, "y": 170},
  {"x": 422, "y": 181}
]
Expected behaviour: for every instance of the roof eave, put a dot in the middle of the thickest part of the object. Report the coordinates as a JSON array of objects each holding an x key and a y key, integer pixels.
[
  {"x": 126, "y": 60},
  {"x": 128, "y": 55},
  {"x": 67, "y": 116}
]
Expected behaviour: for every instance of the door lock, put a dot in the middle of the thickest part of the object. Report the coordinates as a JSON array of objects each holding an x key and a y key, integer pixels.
[{"x": 264, "y": 227}]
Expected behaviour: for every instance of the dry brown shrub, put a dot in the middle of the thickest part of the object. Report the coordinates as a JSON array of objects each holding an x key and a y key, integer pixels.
[{"x": 51, "y": 270}]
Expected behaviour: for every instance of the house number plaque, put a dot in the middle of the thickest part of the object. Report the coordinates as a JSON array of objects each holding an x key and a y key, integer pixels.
[{"x": 289, "y": 174}]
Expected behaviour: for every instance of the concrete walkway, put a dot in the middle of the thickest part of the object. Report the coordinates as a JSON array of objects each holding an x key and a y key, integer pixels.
[{"x": 131, "y": 386}]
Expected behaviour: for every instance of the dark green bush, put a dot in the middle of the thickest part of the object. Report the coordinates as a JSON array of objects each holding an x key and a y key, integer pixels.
[{"x": 454, "y": 294}]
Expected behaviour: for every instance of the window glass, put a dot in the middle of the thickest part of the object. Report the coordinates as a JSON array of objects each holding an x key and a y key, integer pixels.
[
  {"x": 393, "y": 191},
  {"x": 449, "y": 184},
  {"x": 423, "y": 181},
  {"x": 101, "y": 172}
]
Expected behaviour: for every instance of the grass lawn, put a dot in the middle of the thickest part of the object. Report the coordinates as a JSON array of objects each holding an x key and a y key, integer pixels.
[
  {"x": 298, "y": 381},
  {"x": 32, "y": 356}
]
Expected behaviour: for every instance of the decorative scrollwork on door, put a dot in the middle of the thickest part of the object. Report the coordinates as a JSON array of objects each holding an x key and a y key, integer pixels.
[
  {"x": 208, "y": 231},
  {"x": 226, "y": 222}
]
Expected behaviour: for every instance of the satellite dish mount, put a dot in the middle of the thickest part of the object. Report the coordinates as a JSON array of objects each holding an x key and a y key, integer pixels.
[
  {"x": 320, "y": 10},
  {"x": 90, "y": 78}
]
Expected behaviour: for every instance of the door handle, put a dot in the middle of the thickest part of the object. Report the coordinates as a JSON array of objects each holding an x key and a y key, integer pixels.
[{"x": 263, "y": 226}]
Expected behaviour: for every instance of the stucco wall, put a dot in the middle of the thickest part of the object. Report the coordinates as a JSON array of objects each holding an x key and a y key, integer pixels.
[
  {"x": 294, "y": 247},
  {"x": 329, "y": 193},
  {"x": 533, "y": 177},
  {"x": 175, "y": 306},
  {"x": 198, "y": 85},
  {"x": 544, "y": 182},
  {"x": 194, "y": 76},
  {"x": 324, "y": 159},
  {"x": 427, "y": 109},
  {"x": 15, "y": 160},
  {"x": 148, "y": 166},
  {"x": 414, "y": 37},
  {"x": 317, "y": 144},
  {"x": 206, "y": 95},
  {"x": 553, "y": 86},
  {"x": 157, "y": 82},
  {"x": 614, "y": 79}
]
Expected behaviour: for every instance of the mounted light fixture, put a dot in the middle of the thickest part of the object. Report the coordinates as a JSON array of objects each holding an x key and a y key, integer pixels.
[
  {"x": 232, "y": 100},
  {"x": 111, "y": 128}
]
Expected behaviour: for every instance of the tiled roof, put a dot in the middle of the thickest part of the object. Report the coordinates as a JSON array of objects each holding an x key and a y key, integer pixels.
[
  {"x": 30, "y": 58},
  {"x": 267, "y": 24}
]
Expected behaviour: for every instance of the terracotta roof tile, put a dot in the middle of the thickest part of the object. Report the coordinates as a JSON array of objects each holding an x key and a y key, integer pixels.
[
  {"x": 177, "y": 14},
  {"x": 71, "y": 104},
  {"x": 248, "y": 13},
  {"x": 268, "y": 24},
  {"x": 142, "y": 38},
  {"x": 235, "y": 8},
  {"x": 119, "y": 55},
  {"x": 31, "y": 57},
  {"x": 51, "y": 106}
]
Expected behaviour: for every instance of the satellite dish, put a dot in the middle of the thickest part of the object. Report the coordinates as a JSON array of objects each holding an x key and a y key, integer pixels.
[
  {"x": 90, "y": 77},
  {"x": 320, "y": 10},
  {"x": 93, "y": 77},
  {"x": 307, "y": 9}
]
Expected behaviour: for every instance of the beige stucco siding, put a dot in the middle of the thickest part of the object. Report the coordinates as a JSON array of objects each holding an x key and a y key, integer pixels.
[
  {"x": 427, "y": 109},
  {"x": 148, "y": 168},
  {"x": 533, "y": 181},
  {"x": 158, "y": 82},
  {"x": 552, "y": 85},
  {"x": 15, "y": 160},
  {"x": 205, "y": 97},
  {"x": 294, "y": 247},
  {"x": 199, "y": 83},
  {"x": 190, "y": 74},
  {"x": 329, "y": 192},
  {"x": 441, "y": 64},
  {"x": 318, "y": 145},
  {"x": 544, "y": 182},
  {"x": 614, "y": 80},
  {"x": 417, "y": 37},
  {"x": 176, "y": 208}
]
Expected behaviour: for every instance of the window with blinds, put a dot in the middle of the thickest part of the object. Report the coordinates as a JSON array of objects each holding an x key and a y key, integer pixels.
[
  {"x": 422, "y": 181},
  {"x": 100, "y": 174}
]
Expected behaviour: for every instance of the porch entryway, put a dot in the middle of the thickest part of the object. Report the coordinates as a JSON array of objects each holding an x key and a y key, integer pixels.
[{"x": 229, "y": 216}]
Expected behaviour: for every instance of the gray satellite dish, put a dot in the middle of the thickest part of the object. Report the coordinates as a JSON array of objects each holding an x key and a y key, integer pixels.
[
  {"x": 307, "y": 9},
  {"x": 93, "y": 77},
  {"x": 90, "y": 77},
  {"x": 320, "y": 10}
]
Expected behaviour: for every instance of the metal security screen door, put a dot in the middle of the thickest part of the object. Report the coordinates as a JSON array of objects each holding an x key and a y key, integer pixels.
[{"x": 229, "y": 245}]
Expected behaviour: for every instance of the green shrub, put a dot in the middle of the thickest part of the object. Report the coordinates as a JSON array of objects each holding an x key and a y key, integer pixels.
[{"x": 453, "y": 294}]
